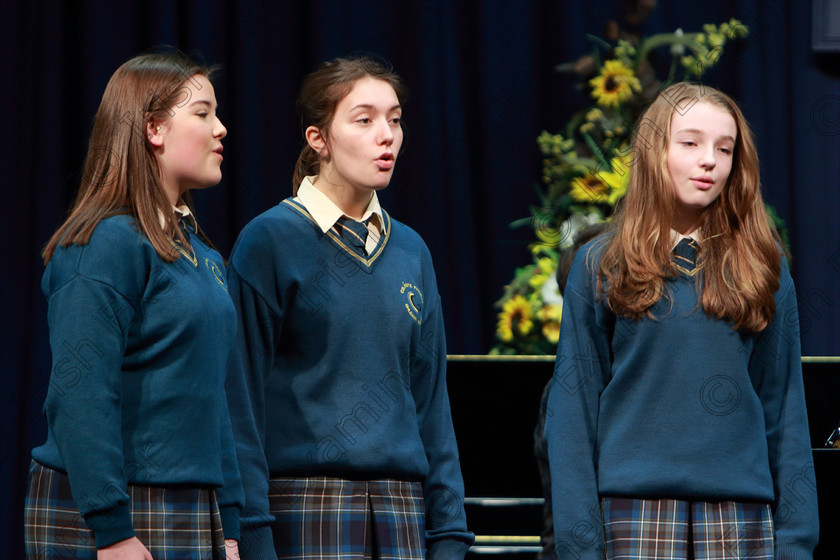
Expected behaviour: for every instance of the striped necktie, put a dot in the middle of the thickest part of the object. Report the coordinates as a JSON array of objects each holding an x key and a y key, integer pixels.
[
  {"x": 685, "y": 253},
  {"x": 353, "y": 233}
]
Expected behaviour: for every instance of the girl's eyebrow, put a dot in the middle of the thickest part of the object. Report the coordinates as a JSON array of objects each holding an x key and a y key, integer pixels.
[
  {"x": 202, "y": 102},
  {"x": 698, "y": 131},
  {"x": 369, "y": 106}
]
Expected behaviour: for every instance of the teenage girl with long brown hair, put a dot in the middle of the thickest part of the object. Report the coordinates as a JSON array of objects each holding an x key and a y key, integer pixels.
[
  {"x": 139, "y": 461},
  {"x": 677, "y": 424}
]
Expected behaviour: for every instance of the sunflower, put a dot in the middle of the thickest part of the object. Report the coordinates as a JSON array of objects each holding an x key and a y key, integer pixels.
[
  {"x": 516, "y": 316},
  {"x": 589, "y": 189},
  {"x": 550, "y": 316},
  {"x": 616, "y": 179},
  {"x": 614, "y": 85}
]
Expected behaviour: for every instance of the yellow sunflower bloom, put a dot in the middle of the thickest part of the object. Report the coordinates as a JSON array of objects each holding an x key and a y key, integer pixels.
[
  {"x": 550, "y": 316},
  {"x": 614, "y": 85},
  {"x": 616, "y": 179},
  {"x": 589, "y": 189},
  {"x": 516, "y": 318}
]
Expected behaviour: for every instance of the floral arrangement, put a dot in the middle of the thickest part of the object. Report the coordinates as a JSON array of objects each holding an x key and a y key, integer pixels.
[{"x": 586, "y": 167}]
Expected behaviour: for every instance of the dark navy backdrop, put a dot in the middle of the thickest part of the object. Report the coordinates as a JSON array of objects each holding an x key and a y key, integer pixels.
[{"x": 482, "y": 87}]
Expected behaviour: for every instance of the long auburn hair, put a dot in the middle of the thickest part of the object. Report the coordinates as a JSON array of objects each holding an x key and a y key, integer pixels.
[
  {"x": 740, "y": 251},
  {"x": 320, "y": 94},
  {"x": 120, "y": 173}
]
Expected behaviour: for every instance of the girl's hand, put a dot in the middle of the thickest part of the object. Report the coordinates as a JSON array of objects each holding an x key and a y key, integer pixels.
[
  {"x": 129, "y": 549},
  {"x": 231, "y": 549}
]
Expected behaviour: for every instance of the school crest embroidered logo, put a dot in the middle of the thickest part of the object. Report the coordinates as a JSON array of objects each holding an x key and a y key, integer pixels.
[
  {"x": 413, "y": 301},
  {"x": 218, "y": 272}
]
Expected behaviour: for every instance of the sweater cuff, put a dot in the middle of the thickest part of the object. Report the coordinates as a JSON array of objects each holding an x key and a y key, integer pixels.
[
  {"x": 448, "y": 549},
  {"x": 586, "y": 555},
  {"x": 111, "y": 525},
  {"x": 230, "y": 522},
  {"x": 257, "y": 543},
  {"x": 792, "y": 552}
]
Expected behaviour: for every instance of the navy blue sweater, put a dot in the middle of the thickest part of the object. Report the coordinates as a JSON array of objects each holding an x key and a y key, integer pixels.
[
  {"x": 679, "y": 407},
  {"x": 344, "y": 359},
  {"x": 136, "y": 394}
]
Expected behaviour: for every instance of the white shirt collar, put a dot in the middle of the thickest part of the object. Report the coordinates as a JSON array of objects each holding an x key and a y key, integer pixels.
[
  {"x": 182, "y": 212},
  {"x": 325, "y": 212},
  {"x": 676, "y": 237}
]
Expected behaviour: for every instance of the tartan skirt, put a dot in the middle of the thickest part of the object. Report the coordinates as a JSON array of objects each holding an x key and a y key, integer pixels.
[
  {"x": 337, "y": 519},
  {"x": 173, "y": 523},
  {"x": 664, "y": 529}
]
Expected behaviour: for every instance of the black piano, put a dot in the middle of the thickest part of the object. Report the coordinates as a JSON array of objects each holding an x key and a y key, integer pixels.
[{"x": 495, "y": 401}]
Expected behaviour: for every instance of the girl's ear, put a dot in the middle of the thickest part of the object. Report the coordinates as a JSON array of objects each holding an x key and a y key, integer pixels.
[
  {"x": 316, "y": 141},
  {"x": 154, "y": 132}
]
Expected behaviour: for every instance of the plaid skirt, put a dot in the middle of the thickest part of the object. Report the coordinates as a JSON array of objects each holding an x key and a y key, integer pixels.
[
  {"x": 173, "y": 523},
  {"x": 678, "y": 530},
  {"x": 338, "y": 519}
]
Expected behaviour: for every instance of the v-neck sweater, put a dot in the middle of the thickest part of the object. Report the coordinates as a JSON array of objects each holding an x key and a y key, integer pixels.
[
  {"x": 681, "y": 406},
  {"x": 344, "y": 359},
  {"x": 136, "y": 395}
]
